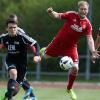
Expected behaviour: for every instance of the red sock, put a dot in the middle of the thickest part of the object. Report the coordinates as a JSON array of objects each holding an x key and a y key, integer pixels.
[{"x": 71, "y": 79}]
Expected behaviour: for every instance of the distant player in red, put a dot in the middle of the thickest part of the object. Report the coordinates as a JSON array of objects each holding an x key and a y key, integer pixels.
[
  {"x": 65, "y": 43},
  {"x": 97, "y": 42}
]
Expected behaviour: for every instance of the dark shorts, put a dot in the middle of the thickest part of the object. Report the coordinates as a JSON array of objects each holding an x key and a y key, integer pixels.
[{"x": 21, "y": 69}]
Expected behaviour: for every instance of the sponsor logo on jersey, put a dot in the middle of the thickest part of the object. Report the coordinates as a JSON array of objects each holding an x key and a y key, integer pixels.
[
  {"x": 11, "y": 47},
  {"x": 76, "y": 28},
  {"x": 7, "y": 42}
]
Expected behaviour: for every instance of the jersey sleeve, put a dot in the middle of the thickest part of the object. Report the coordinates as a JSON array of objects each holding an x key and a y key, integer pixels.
[
  {"x": 20, "y": 30},
  {"x": 89, "y": 29},
  {"x": 2, "y": 38},
  {"x": 32, "y": 43},
  {"x": 28, "y": 40},
  {"x": 66, "y": 15}
]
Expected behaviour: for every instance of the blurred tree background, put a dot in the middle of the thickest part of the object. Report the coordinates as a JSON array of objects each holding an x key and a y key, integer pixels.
[{"x": 34, "y": 19}]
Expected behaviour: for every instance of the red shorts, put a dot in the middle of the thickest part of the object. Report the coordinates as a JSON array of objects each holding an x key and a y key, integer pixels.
[{"x": 57, "y": 52}]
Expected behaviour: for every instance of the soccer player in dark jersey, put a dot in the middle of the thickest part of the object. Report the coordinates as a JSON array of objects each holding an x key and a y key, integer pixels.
[
  {"x": 25, "y": 84},
  {"x": 16, "y": 44},
  {"x": 65, "y": 42}
]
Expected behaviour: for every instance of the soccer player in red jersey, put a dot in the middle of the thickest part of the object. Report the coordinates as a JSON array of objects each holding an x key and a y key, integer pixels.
[
  {"x": 65, "y": 42},
  {"x": 97, "y": 42}
]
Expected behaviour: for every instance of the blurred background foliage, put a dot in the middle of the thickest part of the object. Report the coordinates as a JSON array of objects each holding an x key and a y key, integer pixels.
[{"x": 34, "y": 19}]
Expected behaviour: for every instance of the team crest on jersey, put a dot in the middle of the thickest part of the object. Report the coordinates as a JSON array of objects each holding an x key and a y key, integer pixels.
[
  {"x": 7, "y": 42},
  {"x": 74, "y": 20},
  {"x": 83, "y": 26}
]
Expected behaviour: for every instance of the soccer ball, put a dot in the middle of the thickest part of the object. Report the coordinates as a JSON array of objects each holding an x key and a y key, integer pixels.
[{"x": 66, "y": 63}]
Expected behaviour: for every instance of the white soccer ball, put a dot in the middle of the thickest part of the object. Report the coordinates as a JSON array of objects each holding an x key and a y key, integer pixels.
[{"x": 66, "y": 63}]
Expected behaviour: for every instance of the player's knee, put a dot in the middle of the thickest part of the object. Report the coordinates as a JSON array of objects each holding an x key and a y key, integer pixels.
[
  {"x": 13, "y": 86},
  {"x": 75, "y": 69},
  {"x": 13, "y": 73}
]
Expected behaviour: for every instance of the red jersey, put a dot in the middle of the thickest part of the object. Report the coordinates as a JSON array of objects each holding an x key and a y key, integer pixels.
[
  {"x": 67, "y": 38},
  {"x": 99, "y": 32}
]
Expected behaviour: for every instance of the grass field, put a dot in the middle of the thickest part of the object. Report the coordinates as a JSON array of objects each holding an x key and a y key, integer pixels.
[{"x": 58, "y": 93}]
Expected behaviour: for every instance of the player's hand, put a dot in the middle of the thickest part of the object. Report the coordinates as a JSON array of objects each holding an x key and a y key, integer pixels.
[
  {"x": 36, "y": 59},
  {"x": 50, "y": 10},
  {"x": 94, "y": 56}
]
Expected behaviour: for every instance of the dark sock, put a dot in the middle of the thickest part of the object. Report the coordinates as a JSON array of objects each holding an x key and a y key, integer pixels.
[
  {"x": 26, "y": 86},
  {"x": 32, "y": 95},
  {"x": 12, "y": 87}
]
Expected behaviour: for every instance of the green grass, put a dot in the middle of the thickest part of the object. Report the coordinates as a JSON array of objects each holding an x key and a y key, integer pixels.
[{"x": 58, "y": 94}]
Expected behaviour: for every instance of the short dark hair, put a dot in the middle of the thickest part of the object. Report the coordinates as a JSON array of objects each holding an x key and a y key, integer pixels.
[{"x": 12, "y": 18}]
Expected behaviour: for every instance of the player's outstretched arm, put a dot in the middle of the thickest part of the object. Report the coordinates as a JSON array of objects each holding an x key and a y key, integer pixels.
[
  {"x": 94, "y": 53},
  {"x": 52, "y": 13}
]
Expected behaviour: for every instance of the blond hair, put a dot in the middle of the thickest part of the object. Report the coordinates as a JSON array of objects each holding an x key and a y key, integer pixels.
[{"x": 81, "y": 3}]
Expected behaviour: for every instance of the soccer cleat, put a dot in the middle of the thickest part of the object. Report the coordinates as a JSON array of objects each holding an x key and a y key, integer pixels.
[
  {"x": 72, "y": 94},
  {"x": 33, "y": 98},
  {"x": 27, "y": 93},
  {"x": 42, "y": 51},
  {"x": 10, "y": 99}
]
